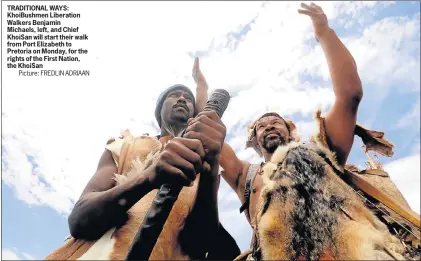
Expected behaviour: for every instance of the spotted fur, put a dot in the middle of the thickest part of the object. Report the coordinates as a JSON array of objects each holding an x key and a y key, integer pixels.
[{"x": 306, "y": 211}]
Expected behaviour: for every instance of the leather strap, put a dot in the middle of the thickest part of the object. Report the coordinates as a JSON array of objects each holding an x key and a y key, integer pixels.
[{"x": 251, "y": 175}]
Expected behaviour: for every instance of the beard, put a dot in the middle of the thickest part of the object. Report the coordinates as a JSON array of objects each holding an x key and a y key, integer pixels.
[{"x": 272, "y": 143}]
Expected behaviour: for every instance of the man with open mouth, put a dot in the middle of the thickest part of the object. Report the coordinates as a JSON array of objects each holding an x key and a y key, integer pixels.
[{"x": 336, "y": 134}]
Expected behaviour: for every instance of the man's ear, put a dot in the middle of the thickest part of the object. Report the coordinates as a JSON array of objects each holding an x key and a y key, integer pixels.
[{"x": 293, "y": 132}]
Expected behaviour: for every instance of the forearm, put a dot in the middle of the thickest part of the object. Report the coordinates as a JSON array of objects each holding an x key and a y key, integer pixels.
[
  {"x": 201, "y": 94},
  {"x": 342, "y": 67},
  {"x": 96, "y": 212},
  {"x": 233, "y": 168}
]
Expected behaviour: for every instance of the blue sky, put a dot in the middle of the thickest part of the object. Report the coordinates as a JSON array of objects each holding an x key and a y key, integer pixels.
[
  {"x": 50, "y": 146},
  {"x": 34, "y": 230}
]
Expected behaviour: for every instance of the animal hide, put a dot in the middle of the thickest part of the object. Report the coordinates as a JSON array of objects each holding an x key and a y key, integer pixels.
[
  {"x": 132, "y": 155},
  {"x": 306, "y": 211}
]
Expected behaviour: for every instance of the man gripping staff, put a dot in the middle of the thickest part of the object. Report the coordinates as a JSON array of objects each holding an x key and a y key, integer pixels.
[{"x": 112, "y": 206}]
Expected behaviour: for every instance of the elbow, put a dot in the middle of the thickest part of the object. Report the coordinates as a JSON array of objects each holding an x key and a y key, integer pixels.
[
  {"x": 355, "y": 92},
  {"x": 91, "y": 225},
  {"x": 358, "y": 89},
  {"x": 353, "y": 86},
  {"x": 351, "y": 96},
  {"x": 79, "y": 229},
  {"x": 78, "y": 225},
  {"x": 355, "y": 100},
  {"x": 75, "y": 226},
  {"x": 357, "y": 96},
  {"x": 75, "y": 220}
]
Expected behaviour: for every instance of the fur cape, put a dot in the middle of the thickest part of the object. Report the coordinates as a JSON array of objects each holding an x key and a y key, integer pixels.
[{"x": 308, "y": 211}]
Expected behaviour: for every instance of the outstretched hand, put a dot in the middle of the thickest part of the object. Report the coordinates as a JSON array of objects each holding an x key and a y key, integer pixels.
[{"x": 318, "y": 17}]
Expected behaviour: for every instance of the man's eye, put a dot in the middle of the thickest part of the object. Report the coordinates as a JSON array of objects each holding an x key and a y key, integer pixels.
[{"x": 259, "y": 127}]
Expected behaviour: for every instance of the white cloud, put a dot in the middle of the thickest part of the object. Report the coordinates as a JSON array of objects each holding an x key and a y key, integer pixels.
[
  {"x": 388, "y": 3},
  {"x": 405, "y": 173},
  {"x": 388, "y": 47},
  {"x": 8, "y": 254},
  {"x": 306, "y": 129},
  {"x": 28, "y": 256},
  {"x": 13, "y": 254},
  {"x": 61, "y": 124}
]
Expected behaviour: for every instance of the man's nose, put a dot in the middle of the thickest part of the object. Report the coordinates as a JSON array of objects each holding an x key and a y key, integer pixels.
[
  {"x": 270, "y": 127},
  {"x": 181, "y": 99}
]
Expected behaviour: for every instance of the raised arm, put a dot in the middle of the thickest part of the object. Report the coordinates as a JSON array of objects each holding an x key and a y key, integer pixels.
[
  {"x": 340, "y": 121},
  {"x": 233, "y": 167},
  {"x": 201, "y": 86}
]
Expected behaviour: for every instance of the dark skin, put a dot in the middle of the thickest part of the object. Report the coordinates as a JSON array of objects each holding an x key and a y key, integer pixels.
[
  {"x": 197, "y": 152},
  {"x": 340, "y": 121},
  {"x": 271, "y": 132},
  {"x": 176, "y": 110}
]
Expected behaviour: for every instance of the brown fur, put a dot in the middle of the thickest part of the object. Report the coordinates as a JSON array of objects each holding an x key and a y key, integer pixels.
[
  {"x": 307, "y": 211},
  {"x": 71, "y": 250}
]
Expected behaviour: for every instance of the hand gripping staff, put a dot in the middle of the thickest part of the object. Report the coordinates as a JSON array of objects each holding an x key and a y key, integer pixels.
[{"x": 154, "y": 221}]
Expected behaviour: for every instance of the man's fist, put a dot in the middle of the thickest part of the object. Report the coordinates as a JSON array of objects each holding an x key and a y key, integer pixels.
[
  {"x": 318, "y": 17},
  {"x": 209, "y": 129},
  {"x": 179, "y": 163}
]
